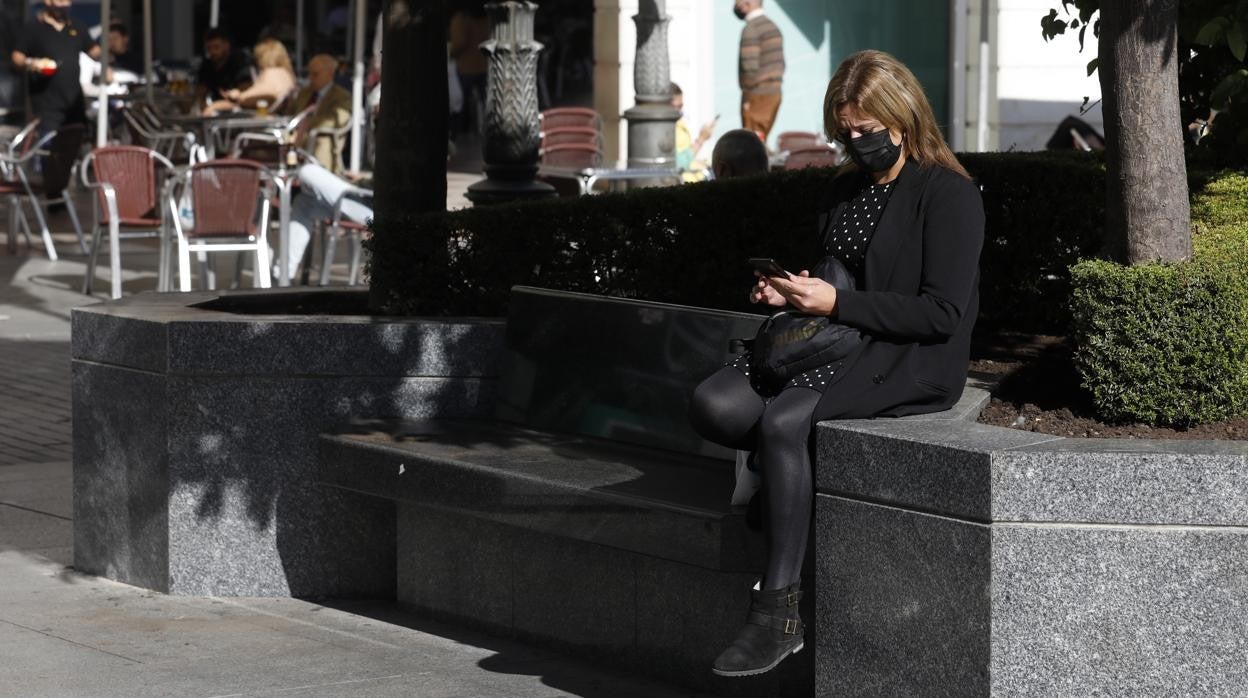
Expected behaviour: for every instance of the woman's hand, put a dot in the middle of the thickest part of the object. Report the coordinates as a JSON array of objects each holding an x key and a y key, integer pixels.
[
  {"x": 762, "y": 293},
  {"x": 232, "y": 95},
  {"x": 810, "y": 296}
]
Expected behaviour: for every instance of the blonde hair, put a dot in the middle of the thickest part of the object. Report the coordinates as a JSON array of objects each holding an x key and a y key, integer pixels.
[
  {"x": 884, "y": 88},
  {"x": 270, "y": 53}
]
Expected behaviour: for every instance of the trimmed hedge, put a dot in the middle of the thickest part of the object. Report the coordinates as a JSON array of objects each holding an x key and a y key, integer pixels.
[
  {"x": 688, "y": 244},
  {"x": 1168, "y": 343}
]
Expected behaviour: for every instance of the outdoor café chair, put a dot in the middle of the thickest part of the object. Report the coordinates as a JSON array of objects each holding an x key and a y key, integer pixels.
[
  {"x": 59, "y": 150},
  {"x": 127, "y": 205},
  {"x": 271, "y": 146},
  {"x": 816, "y": 156},
  {"x": 570, "y": 117},
  {"x": 337, "y": 228},
  {"x": 573, "y": 156},
  {"x": 796, "y": 140},
  {"x": 572, "y": 134},
  {"x": 163, "y": 141},
  {"x": 224, "y": 195}
]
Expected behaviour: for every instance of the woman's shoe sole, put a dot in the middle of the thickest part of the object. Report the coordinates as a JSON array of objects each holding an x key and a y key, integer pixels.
[{"x": 764, "y": 670}]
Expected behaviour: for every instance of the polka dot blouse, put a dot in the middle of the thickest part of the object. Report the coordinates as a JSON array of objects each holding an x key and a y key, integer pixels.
[{"x": 847, "y": 241}]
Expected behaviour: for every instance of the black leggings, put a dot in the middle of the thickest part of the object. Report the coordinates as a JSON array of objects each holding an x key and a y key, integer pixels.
[{"x": 726, "y": 410}]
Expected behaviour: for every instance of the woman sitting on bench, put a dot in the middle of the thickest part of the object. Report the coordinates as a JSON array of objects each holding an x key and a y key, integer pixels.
[{"x": 906, "y": 220}]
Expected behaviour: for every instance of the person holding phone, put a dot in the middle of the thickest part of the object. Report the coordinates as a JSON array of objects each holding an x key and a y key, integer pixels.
[
  {"x": 907, "y": 221},
  {"x": 687, "y": 147}
]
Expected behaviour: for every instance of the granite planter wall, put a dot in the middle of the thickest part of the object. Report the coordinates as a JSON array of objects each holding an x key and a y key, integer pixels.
[
  {"x": 956, "y": 558},
  {"x": 195, "y": 436}
]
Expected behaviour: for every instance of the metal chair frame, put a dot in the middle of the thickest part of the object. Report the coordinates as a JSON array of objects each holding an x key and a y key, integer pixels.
[
  {"x": 336, "y": 229},
  {"x": 115, "y": 232},
  {"x": 164, "y": 141},
  {"x": 12, "y": 165},
  {"x": 257, "y": 243}
]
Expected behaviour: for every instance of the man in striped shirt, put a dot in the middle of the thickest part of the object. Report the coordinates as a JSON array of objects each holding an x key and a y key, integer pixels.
[{"x": 760, "y": 67}]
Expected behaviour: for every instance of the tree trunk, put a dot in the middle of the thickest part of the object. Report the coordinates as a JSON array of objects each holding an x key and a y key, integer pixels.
[
  {"x": 412, "y": 126},
  {"x": 1147, "y": 216}
]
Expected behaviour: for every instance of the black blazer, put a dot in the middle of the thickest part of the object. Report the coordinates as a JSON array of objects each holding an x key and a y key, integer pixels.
[{"x": 918, "y": 300}]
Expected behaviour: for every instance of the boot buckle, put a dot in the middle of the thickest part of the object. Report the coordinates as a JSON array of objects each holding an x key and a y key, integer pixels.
[{"x": 790, "y": 626}]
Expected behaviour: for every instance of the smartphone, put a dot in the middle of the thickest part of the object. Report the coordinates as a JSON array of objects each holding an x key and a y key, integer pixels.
[{"x": 769, "y": 267}]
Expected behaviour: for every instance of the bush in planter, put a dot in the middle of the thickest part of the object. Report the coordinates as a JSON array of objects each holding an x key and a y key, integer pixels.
[
  {"x": 688, "y": 244},
  {"x": 1168, "y": 343}
]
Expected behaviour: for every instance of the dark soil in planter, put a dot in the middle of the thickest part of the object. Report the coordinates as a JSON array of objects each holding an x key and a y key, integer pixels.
[{"x": 1037, "y": 389}]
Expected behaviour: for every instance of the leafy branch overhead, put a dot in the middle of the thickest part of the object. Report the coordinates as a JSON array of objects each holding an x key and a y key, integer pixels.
[{"x": 1213, "y": 57}]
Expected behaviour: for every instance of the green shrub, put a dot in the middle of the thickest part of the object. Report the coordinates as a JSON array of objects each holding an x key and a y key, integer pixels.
[
  {"x": 1168, "y": 343},
  {"x": 689, "y": 244}
]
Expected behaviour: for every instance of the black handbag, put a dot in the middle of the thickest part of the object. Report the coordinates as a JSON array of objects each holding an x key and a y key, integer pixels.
[{"x": 790, "y": 342}]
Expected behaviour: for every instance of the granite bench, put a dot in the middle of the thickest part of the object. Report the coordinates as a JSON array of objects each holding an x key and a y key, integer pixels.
[{"x": 586, "y": 515}]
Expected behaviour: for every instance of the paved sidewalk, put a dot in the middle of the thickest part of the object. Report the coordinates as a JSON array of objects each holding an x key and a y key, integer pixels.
[{"x": 65, "y": 634}]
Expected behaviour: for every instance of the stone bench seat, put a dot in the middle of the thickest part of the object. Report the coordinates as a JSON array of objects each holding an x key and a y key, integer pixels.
[{"x": 658, "y": 503}]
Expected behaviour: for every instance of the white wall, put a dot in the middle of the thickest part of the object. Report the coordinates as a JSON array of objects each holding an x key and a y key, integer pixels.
[{"x": 1038, "y": 83}]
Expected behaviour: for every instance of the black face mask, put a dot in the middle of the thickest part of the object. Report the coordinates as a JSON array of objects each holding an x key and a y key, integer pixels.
[
  {"x": 874, "y": 152},
  {"x": 737, "y": 11},
  {"x": 56, "y": 14}
]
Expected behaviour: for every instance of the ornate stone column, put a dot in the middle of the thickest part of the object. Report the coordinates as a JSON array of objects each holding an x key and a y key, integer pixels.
[
  {"x": 511, "y": 116},
  {"x": 652, "y": 121}
]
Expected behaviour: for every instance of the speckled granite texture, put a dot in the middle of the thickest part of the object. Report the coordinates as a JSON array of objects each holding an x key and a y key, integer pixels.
[
  {"x": 195, "y": 440},
  {"x": 959, "y": 559}
]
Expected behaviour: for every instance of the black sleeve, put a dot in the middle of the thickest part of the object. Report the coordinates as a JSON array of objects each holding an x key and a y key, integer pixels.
[
  {"x": 953, "y": 234},
  {"x": 27, "y": 42}
]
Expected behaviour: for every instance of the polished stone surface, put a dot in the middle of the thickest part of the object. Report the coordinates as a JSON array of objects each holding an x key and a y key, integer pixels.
[
  {"x": 939, "y": 466},
  {"x": 195, "y": 467},
  {"x": 643, "y": 614},
  {"x": 1119, "y": 611},
  {"x": 652, "y": 502},
  {"x": 120, "y": 475},
  {"x": 612, "y": 367},
  {"x": 902, "y": 602}
]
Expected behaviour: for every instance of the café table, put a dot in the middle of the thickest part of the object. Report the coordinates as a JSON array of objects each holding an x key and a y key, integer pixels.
[{"x": 587, "y": 177}]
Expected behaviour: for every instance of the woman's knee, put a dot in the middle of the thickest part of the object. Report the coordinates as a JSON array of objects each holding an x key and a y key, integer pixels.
[{"x": 720, "y": 412}]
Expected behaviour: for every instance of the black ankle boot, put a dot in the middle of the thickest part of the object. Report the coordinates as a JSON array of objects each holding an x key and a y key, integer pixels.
[{"x": 772, "y": 631}]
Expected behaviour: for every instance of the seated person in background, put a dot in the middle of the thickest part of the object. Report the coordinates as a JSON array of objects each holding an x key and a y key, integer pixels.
[
  {"x": 119, "y": 54},
  {"x": 739, "y": 153},
  {"x": 333, "y": 108},
  {"x": 687, "y": 146},
  {"x": 223, "y": 69},
  {"x": 122, "y": 73},
  {"x": 319, "y": 191},
  {"x": 274, "y": 82}
]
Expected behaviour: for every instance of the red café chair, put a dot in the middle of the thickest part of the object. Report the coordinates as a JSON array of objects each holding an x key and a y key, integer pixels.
[
  {"x": 572, "y": 134},
  {"x": 797, "y": 140},
  {"x": 224, "y": 196},
  {"x": 817, "y": 156},
  {"x": 574, "y": 156},
  {"x": 570, "y": 117},
  {"x": 338, "y": 227},
  {"x": 127, "y": 205},
  {"x": 61, "y": 149}
]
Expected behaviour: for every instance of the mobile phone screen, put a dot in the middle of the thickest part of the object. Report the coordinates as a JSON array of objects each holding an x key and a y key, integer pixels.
[{"x": 768, "y": 267}]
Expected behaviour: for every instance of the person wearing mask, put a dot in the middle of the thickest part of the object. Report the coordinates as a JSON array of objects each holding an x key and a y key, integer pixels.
[
  {"x": 222, "y": 70},
  {"x": 47, "y": 50},
  {"x": 332, "y": 106},
  {"x": 273, "y": 83},
  {"x": 760, "y": 67},
  {"x": 907, "y": 222}
]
